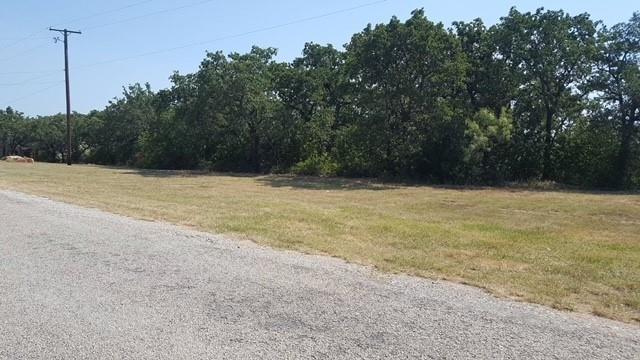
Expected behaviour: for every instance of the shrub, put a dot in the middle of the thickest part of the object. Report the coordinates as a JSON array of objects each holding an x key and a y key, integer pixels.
[{"x": 319, "y": 165}]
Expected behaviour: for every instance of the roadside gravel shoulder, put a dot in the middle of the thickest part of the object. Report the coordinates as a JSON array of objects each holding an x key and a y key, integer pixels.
[{"x": 82, "y": 283}]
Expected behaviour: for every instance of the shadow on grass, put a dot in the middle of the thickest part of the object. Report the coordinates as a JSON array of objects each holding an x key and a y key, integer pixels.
[
  {"x": 153, "y": 173},
  {"x": 319, "y": 183},
  {"x": 185, "y": 173},
  {"x": 277, "y": 181},
  {"x": 337, "y": 183}
]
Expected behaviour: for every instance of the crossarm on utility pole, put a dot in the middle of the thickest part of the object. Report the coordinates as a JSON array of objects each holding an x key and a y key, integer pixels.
[{"x": 66, "y": 33}]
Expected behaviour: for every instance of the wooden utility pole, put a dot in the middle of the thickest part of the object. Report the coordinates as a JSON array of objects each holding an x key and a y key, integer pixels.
[{"x": 66, "y": 33}]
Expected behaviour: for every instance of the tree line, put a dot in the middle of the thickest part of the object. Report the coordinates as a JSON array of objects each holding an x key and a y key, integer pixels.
[{"x": 539, "y": 95}]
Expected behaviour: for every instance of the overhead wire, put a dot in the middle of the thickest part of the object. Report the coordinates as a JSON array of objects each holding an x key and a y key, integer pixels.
[
  {"x": 16, "y": 55},
  {"x": 13, "y": 101},
  {"x": 18, "y": 38},
  {"x": 103, "y": 13},
  {"x": 39, "y": 83},
  {"x": 32, "y": 35},
  {"x": 27, "y": 81},
  {"x": 28, "y": 72},
  {"x": 232, "y": 36},
  {"x": 148, "y": 15},
  {"x": 268, "y": 28},
  {"x": 103, "y": 25}
]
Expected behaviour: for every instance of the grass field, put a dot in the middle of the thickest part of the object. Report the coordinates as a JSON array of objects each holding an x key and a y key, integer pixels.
[{"x": 569, "y": 250}]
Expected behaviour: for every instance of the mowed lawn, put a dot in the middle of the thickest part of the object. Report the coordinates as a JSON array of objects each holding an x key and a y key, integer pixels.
[{"x": 569, "y": 250}]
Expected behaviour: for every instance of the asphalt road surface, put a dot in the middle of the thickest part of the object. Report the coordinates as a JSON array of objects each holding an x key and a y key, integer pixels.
[{"x": 79, "y": 283}]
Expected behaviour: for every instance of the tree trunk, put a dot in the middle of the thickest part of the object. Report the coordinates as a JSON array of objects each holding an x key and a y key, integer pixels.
[
  {"x": 254, "y": 146},
  {"x": 548, "y": 144},
  {"x": 624, "y": 152}
]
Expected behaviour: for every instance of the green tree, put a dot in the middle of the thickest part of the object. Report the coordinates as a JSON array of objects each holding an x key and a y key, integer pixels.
[
  {"x": 10, "y": 130},
  {"x": 314, "y": 92},
  {"x": 408, "y": 114},
  {"x": 488, "y": 142},
  {"x": 553, "y": 54},
  {"x": 538, "y": 95},
  {"x": 491, "y": 82},
  {"x": 120, "y": 125},
  {"x": 47, "y": 137},
  {"x": 228, "y": 108},
  {"x": 617, "y": 84}
]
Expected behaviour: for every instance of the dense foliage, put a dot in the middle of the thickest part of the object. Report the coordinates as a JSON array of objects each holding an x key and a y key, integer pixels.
[{"x": 541, "y": 95}]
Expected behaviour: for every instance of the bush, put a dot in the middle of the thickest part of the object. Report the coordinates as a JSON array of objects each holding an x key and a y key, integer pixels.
[{"x": 319, "y": 165}]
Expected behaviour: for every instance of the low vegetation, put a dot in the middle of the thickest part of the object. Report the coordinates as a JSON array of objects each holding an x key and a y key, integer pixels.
[{"x": 566, "y": 249}]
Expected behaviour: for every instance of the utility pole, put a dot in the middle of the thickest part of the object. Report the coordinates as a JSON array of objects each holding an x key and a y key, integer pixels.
[{"x": 66, "y": 33}]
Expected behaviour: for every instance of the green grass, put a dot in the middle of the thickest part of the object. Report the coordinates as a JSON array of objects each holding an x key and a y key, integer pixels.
[{"x": 570, "y": 250}]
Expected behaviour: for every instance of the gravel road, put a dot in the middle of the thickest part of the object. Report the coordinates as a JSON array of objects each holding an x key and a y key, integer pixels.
[{"x": 79, "y": 283}]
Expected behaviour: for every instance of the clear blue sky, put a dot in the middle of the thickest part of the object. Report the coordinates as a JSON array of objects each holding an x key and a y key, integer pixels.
[{"x": 147, "y": 26}]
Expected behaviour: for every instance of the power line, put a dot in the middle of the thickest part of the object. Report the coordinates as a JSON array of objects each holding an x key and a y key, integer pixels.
[
  {"x": 148, "y": 15},
  {"x": 18, "y": 38},
  {"x": 46, "y": 82},
  {"x": 27, "y": 81},
  {"x": 33, "y": 93},
  {"x": 27, "y": 72},
  {"x": 268, "y": 28},
  {"x": 32, "y": 35},
  {"x": 108, "y": 24},
  {"x": 104, "y": 12},
  {"x": 24, "y": 52}
]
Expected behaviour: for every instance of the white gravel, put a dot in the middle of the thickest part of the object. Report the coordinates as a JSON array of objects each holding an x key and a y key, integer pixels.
[{"x": 79, "y": 283}]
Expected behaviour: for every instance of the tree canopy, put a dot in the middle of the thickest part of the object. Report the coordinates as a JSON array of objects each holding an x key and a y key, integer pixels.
[{"x": 539, "y": 95}]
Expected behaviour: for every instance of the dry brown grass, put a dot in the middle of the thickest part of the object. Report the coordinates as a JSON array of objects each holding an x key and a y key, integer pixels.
[{"x": 569, "y": 250}]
